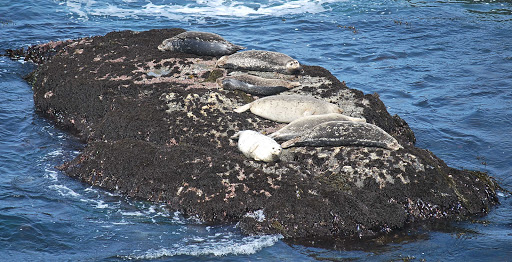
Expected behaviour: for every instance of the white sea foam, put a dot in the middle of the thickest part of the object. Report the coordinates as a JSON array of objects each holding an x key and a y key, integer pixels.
[
  {"x": 51, "y": 174},
  {"x": 215, "y": 246},
  {"x": 56, "y": 152},
  {"x": 64, "y": 190},
  {"x": 199, "y": 9},
  {"x": 134, "y": 214},
  {"x": 258, "y": 215},
  {"x": 99, "y": 204}
]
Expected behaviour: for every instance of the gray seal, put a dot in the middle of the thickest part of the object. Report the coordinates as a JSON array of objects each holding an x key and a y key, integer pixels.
[
  {"x": 199, "y": 43},
  {"x": 345, "y": 133},
  {"x": 258, "y": 60},
  {"x": 255, "y": 85},
  {"x": 304, "y": 124},
  {"x": 286, "y": 108}
]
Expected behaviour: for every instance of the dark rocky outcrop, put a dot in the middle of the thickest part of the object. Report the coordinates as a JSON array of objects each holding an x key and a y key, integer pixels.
[{"x": 157, "y": 127}]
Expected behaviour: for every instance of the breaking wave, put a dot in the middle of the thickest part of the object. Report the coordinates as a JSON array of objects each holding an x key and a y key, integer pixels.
[
  {"x": 179, "y": 10},
  {"x": 220, "y": 244}
]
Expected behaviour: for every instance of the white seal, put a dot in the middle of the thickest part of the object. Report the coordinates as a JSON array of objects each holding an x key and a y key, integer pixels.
[{"x": 258, "y": 146}]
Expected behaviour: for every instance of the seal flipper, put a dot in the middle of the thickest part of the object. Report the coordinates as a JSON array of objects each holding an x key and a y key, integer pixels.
[
  {"x": 235, "y": 136},
  {"x": 290, "y": 142},
  {"x": 254, "y": 147},
  {"x": 234, "y": 84},
  {"x": 309, "y": 112},
  {"x": 243, "y": 108},
  {"x": 222, "y": 61},
  {"x": 394, "y": 146}
]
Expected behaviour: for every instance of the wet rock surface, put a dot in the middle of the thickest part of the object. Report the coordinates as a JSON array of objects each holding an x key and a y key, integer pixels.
[{"x": 158, "y": 128}]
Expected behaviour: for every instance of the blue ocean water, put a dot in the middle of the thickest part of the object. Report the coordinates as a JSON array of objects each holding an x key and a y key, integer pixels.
[{"x": 443, "y": 66}]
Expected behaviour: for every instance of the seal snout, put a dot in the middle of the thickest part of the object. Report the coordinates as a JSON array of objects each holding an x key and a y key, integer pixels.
[{"x": 235, "y": 48}]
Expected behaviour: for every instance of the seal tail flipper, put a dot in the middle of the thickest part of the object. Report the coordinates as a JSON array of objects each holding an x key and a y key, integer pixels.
[
  {"x": 222, "y": 61},
  {"x": 290, "y": 142},
  {"x": 355, "y": 119},
  {"x": 235, "y": 136},
  {"x": 243, "y": 108},
  {"x": 292, "y": 85},
  {"x": 394, "y": 146},
  {"x": 163, "y": 45}
]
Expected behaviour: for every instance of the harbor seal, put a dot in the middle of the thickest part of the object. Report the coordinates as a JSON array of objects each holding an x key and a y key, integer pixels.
[
  {"x": 255, "y": 85},
  {"x": 258, "y": 146},
  {"x": 199, "y": 43},
  {"x": 345, "y": 133},
  {"x": 305, "y": 124},
  {"x": 259, "y": 60},
  {"x": 286, "y": 108}
]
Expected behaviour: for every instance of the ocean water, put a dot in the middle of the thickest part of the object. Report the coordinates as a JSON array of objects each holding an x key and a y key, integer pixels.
[{"x": 443, "y": 66}]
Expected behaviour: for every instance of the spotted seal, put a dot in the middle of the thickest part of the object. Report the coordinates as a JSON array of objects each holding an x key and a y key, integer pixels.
[
  {"x": 255, "y": 85},
  {"x": 259, "y": 60},
  {"x": 258, "y": 146},
  {"x": 199, "y": 43},
  {"x": 304, "y": 124},
  {"x": 345, "y": 133},
  {"x": 286, "y": 108}
]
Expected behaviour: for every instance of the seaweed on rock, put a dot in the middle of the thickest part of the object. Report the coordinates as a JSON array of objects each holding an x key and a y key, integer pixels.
[{"x": 158, "y": 128}]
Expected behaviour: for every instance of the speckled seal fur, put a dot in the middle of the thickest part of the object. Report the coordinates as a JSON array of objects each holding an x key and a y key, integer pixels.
[
  {"x": 199, "y": 43},
  {"x": 287, "y": 108},
  {"x": 345, "y": 133},
  {"x": 259, "y": 60},
  {"x": 256, "y": 85},
  {"x": 258, "y": 146},
  {"x": 304, "y": 124}
]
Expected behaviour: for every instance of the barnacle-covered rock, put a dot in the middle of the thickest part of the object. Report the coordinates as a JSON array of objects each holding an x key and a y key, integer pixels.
[{"x": 158, "y": 128}]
